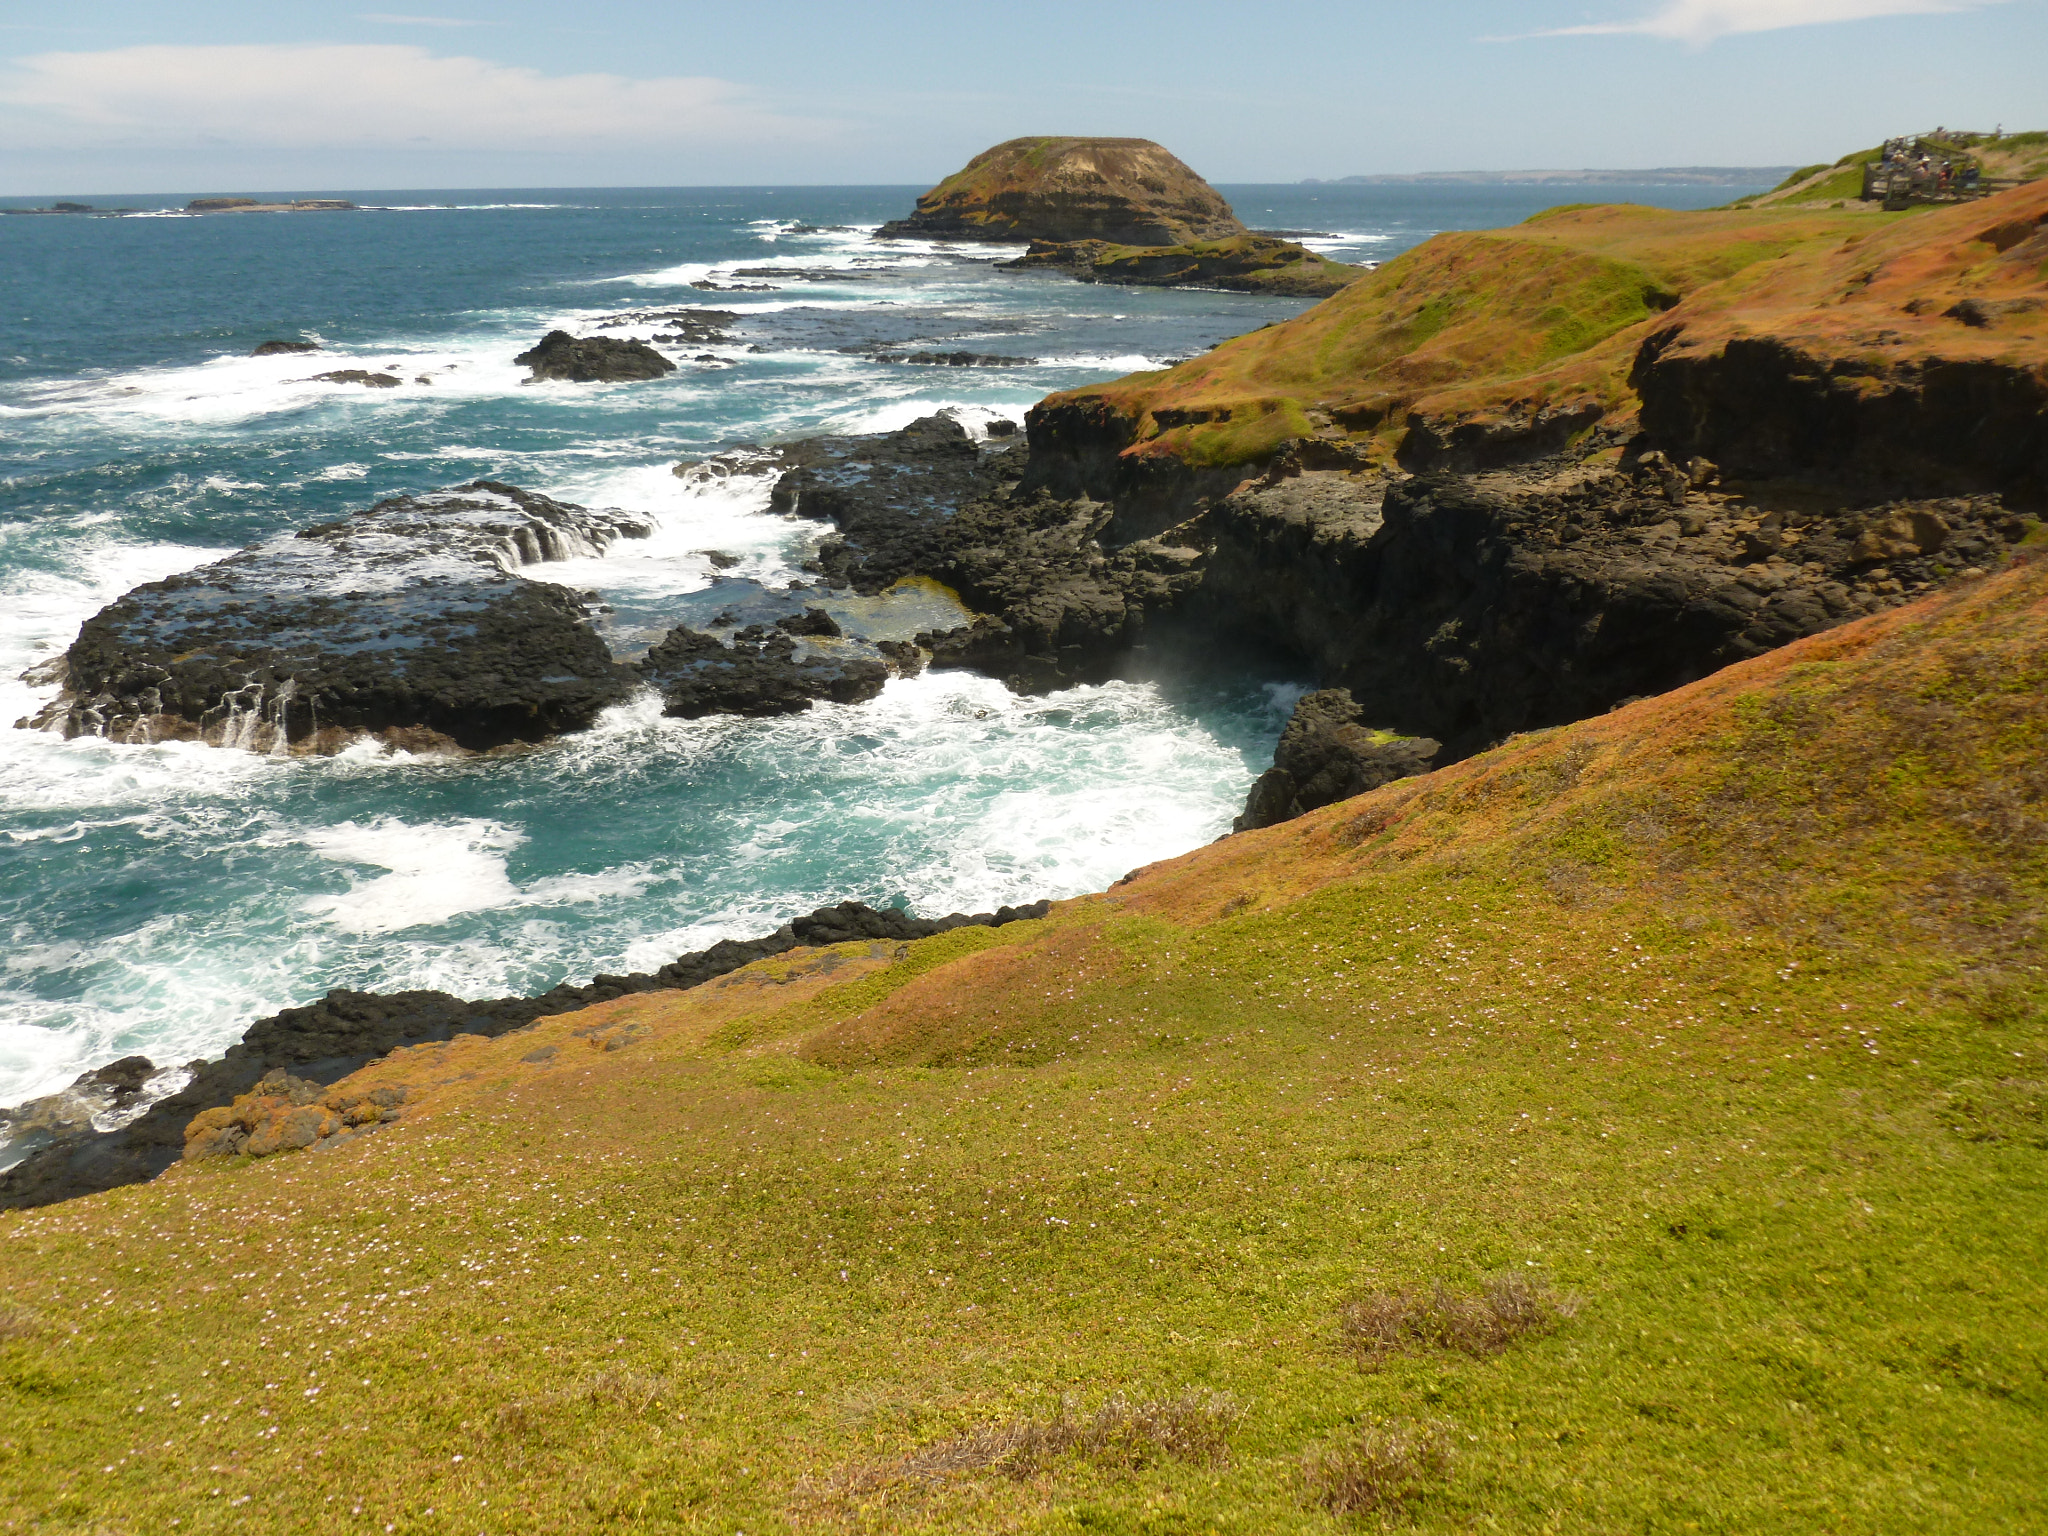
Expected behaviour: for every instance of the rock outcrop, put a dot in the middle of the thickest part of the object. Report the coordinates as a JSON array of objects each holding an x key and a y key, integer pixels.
[
  {"x": 1126, "y": 191},
  {"x": 764, "y": 669},
  {"x": 406, "y": 620},
  {"x": 1249, "y": 263},
  {"x": 283, "y": 1113},
  {"x": 1058, "y": 606},
  {"x": 283, "y": 1063},
  {"x": 1470, "y": 609},
  {"x": 591, "y": 360},
  {"x": 283, "y": 348},
  {"x": 1328, "y": 753}
]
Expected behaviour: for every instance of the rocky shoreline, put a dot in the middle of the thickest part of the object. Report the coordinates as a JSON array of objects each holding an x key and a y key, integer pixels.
[
  {"x": 325, "y": 1041},
  {"x": 1499, "y": 571}
]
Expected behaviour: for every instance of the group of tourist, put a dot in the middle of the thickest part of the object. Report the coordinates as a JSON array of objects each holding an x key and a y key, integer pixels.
[{"x": 1909, "y": 166}]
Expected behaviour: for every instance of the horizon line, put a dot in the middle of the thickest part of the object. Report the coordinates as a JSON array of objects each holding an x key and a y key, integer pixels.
[{"x": 823, "y": 186}]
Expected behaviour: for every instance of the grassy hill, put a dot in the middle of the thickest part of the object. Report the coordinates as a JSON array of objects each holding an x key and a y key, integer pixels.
[
  {"x": 1550, "y": 318},
  {"x": 1636, "y": 1127}
]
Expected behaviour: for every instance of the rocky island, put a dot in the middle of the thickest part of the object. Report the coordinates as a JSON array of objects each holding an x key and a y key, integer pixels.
[
  {"x": 1113, "y": 211},
  {"x": 1127, "y": 191}
]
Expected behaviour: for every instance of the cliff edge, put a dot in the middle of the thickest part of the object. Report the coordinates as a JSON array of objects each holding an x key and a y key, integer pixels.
[
  {"x": 1886, "y": 353},
  {"x": 1124, "y": 191}
]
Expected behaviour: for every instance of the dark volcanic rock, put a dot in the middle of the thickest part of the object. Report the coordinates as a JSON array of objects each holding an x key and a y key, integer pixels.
[
  {"x": 1466, "y": 611},
  {"x": 100, "y": 1100},
  {"x": 1241, "y": 264},
  {"x": 327, "y": 1040},
  {"x": 405, "y": 618},
  {"x": 1761, "y": 406},
  {"x": 927, "y": 501},
  {"x": 592, "y": 360},
  {"x": 274, "y": 348},
  {"x": 956, "y": 359},
  {"x": 1327, "y": 754},
  {"x": 765, "y": 670},
  {"x": 359, "y": 376}
]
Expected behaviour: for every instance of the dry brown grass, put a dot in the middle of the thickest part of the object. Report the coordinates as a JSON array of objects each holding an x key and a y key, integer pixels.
[
  {"x": 1389, "y": 1464},
  {"x": 1506, "y": 1308},
  {"x": 1120, "y": 1433},
  {"x": 18, "y": 1322}
]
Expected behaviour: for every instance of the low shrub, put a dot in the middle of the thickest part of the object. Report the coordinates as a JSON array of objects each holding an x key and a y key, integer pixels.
[
  {"x": 1506, "y": 1308},
  {"x": 1120, "y": 1433},
  {"x": 1386, "y": 1466}
]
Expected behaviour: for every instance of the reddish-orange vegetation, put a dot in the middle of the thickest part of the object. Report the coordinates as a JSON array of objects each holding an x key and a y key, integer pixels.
[{"x": 1553, "y": 317}]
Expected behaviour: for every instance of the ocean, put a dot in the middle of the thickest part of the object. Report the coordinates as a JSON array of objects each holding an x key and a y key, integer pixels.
[{"x": 156, "y": 899}]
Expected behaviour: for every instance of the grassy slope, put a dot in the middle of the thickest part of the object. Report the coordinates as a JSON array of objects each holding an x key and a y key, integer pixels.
[
  {"x": 1725, "y": 1010},
  {"x": 1552, "y": 313}
]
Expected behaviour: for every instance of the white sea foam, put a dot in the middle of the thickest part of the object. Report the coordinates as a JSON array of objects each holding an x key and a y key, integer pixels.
[
  {"x": 1101, "y": 362},
  {"x": 432, "y": 872},
  {"x": 267, "y": 881},
  {"x": 693, "y": 516},
  {"x": 974, "y": 415},
  {"x": 459, "y": 207}
]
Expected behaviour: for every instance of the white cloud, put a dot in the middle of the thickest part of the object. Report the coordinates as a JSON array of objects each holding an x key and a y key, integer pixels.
[
  {"x": 1702, "y": 21},
  {"x": 340, "y": 96}
]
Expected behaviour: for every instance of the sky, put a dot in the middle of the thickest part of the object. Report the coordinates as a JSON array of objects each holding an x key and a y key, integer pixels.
[{"x": 110, "y": 96}]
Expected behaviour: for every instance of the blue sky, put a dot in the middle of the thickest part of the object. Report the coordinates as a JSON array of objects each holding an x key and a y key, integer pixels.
[{"x": 220, "y": 94}]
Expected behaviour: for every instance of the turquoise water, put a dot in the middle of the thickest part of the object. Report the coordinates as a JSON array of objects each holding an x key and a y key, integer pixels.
[{"x": 155, "y": 899}]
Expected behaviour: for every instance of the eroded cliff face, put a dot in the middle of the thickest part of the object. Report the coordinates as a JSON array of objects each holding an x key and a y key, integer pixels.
[
  {"x": 1766, "y": 407},
  {"x": 1124, "y": 191},
  {"x": 1468, "y": 609}
]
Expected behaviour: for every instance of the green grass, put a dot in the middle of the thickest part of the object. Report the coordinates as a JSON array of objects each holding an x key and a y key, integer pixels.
[{"x": 1723, "y": 1013}]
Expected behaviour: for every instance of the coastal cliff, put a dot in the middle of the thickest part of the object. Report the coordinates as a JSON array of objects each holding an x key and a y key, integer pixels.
[{"x": 1901, "y": 353}]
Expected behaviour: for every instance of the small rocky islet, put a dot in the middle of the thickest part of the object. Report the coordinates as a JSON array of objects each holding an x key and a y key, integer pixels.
[{"x": 1114, "y": 211}]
